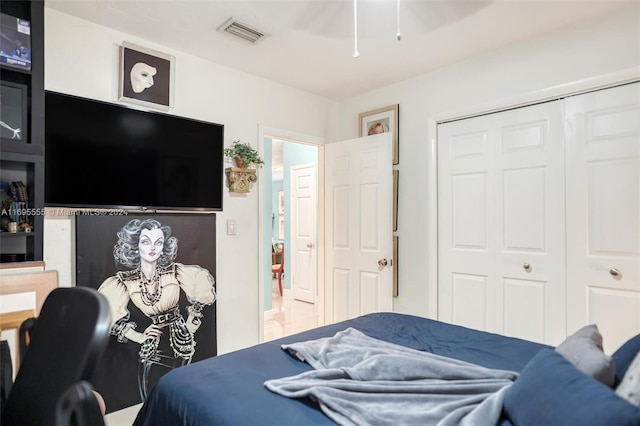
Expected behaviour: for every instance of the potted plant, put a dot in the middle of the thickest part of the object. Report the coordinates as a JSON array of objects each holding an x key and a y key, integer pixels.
[{"x": 243, "y": 154}]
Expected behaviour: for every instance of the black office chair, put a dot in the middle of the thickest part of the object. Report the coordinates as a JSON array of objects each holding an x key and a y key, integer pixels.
[{"x": 65, "y": 343}]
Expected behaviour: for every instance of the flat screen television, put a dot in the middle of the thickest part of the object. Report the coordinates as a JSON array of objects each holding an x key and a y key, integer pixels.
[
  {"x": 15, "y": 42},
  {"x": 104, "y": 155}
]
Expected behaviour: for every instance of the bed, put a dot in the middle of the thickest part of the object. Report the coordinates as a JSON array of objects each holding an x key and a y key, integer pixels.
[{"x": 230, "y": 389}]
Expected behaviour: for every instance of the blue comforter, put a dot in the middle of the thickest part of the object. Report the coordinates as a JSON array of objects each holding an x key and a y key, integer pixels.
[{"x": 229, "y": 389}]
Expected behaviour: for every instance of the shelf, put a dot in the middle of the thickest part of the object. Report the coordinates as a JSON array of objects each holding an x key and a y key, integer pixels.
[
  {"x": 5, "y": 234},
  {"x": 4, "y": 68},
  {"x": 240, "y": 180},
  {"x": 20, "y": 151}
]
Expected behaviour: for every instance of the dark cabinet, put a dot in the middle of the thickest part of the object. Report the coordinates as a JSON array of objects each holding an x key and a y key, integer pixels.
[{"x": 22, "y": 141}]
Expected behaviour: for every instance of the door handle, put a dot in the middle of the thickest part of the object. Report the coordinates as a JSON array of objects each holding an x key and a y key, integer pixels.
[
  {"x": 309, "y": 245},
  {"x": 382, "y": 263}
]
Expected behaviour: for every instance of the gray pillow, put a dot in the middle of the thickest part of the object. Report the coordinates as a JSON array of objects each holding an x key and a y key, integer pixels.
[
  {"x": 584, "y": 350},
  {"x": 629, "y": 387}
]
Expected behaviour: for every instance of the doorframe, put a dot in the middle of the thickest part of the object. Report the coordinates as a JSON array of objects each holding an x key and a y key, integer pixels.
[
  {"x": 265, "y": 131},
  {"x": 602, "y": 81}
]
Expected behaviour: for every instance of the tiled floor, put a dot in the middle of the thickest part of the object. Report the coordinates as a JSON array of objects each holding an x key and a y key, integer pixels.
[
  {"x": 123, "y": 417},
  {"x": 288, "y": 316}
]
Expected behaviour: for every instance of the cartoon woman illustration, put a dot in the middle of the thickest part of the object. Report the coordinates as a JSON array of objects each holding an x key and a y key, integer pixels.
[{"x": 153, "y": 283}]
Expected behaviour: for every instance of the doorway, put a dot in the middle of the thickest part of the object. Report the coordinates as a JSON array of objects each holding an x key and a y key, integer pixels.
[{"x": 282, "y": 204}]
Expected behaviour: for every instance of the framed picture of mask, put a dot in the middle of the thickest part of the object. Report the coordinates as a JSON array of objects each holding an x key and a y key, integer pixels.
[{"x": 146, "y": 77}]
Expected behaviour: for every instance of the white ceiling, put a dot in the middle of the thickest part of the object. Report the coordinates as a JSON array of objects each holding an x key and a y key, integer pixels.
[{"x": 310, "y": 42}]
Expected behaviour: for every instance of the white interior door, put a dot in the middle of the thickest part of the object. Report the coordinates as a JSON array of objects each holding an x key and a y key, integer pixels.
[
  {"x": 358, "y": 217},
  {"x": 603, "y": 210},
  {"x": 302, "y": 254},
  {"x": 501, "y": 248}
]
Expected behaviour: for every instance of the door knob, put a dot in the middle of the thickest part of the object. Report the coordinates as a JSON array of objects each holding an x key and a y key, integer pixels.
[
  {"x": 527, "y": 267},
  {"x": 382, "y": 263},
  {"x": 309, "y": 245},
  {"x": 615, "y": 273}
]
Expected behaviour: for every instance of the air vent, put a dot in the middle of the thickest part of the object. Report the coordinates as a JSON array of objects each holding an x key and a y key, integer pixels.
[{"x": 242, "y": 31}]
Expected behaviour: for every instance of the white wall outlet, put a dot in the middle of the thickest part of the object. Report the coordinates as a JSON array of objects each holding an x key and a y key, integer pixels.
[{"x": 231, "y": 227}]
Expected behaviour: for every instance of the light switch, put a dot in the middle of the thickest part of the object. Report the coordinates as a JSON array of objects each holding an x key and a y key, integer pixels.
[{"x": 231, "y": 227}]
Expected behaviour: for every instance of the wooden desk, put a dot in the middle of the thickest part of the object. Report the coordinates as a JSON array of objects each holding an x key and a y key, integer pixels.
[
  {"x": 24, "y": 277},
  {"x": 40, "y": 282}
]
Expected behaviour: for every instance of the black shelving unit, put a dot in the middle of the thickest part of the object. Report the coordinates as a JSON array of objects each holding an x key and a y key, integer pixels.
[{"x": 24, "y": 160}]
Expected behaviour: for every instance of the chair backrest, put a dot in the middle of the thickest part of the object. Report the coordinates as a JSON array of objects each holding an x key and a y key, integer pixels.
[
  {"x": 279, "y": 267},
  {"x": 79, "y": 407},
  {"x": 66, "y": 343}
]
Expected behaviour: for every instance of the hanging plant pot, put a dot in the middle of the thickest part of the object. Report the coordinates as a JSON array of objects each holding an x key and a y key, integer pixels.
[{"x": 243, "y": 155}]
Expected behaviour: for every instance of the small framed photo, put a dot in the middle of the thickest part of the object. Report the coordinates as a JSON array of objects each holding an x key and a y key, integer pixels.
[
  {"x": 281, "y": 227},
  {"x": 395, "y": 266},
  {"x": 381, "y": 120},
  {"x": 15, "y": 42},
  {"x": 280, "y": 202},
  {"x": 396, "y": 174},
  {"x": 146, "y": 77},
  {"x": 13, "y": 113}
]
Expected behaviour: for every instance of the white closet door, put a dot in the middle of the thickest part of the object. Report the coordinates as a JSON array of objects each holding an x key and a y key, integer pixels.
[
  {"x": 603, "y": 213},
  {"x": 501, "y": 245}
]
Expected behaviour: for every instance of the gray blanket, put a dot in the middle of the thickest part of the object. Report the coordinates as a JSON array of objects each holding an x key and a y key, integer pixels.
[{"x": 359, "y": 380}]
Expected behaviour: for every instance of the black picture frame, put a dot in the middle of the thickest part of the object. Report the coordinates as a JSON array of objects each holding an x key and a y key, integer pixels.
[
  {"x": 14, "y": 112},
  {"x": 116, "y": 377},
  {"x": 396, "y": 176},
  {"x": 159, "y": 68},
  {"x": 395, "y": 266}
]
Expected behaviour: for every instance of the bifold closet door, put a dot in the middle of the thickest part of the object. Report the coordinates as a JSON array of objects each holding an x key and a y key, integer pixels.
[
  {"x": 603, "y": 212},
  {"x": 501, "y": 211}
]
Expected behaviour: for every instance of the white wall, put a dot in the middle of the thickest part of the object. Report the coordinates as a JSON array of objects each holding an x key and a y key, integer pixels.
[
  {"x": 572, "y": 58},
  {"x": 81, "y": 58}
]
